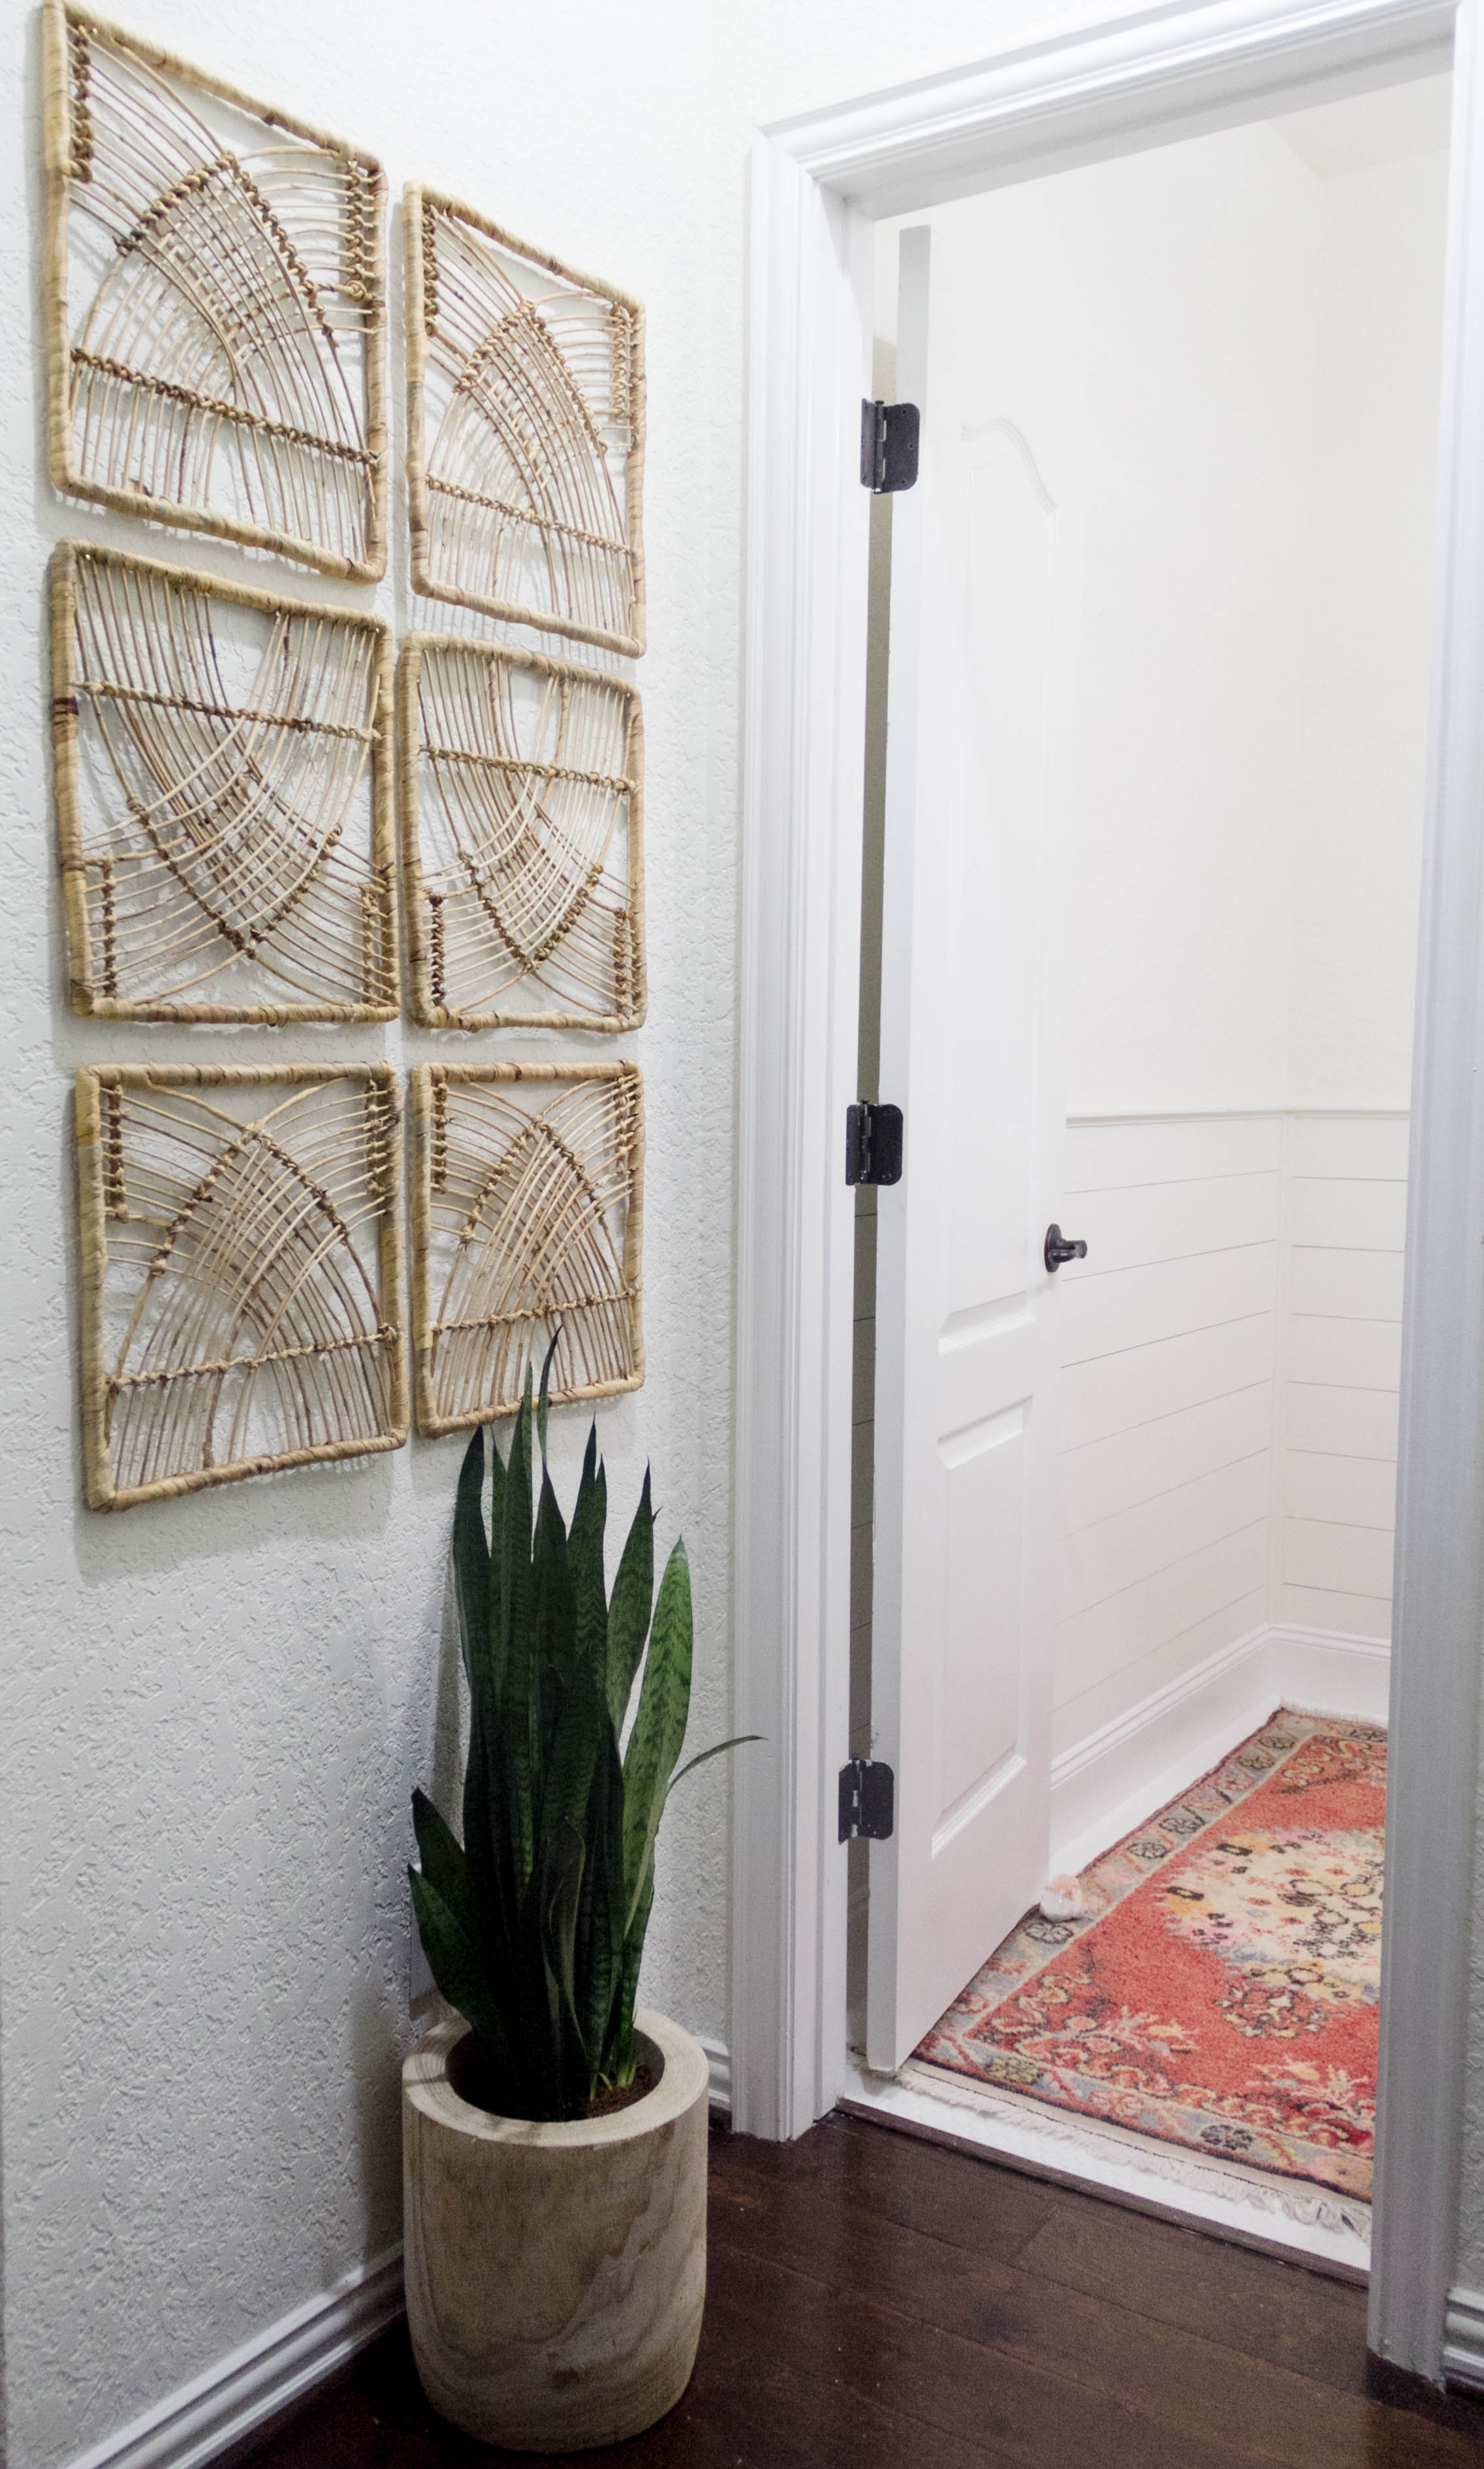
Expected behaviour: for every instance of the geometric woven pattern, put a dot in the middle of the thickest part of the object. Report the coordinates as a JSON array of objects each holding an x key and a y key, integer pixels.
[
  {"x": 525, "y": 430},
  {"x": 241, "y": 1273},
  {"x": 223, "y": 788},
  {"x": 215, "y": 312},
  {"x": 1220, "y": 1989},
  {"x": 527, "y": 1209},
  {"x": 522, "y": 839}
]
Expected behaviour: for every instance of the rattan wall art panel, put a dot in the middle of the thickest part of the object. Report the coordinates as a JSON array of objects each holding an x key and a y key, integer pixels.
[
  {"x": 216, "y": 304},
  {"x": 525, "y": 430},
  {"x": 522, "y": 798},
  {"x": 241, "y": 1273},
  {"x": 224, "y": 769},
  {"x": 527, "y": 1213}
]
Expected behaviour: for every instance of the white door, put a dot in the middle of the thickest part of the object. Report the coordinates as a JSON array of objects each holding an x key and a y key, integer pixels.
[{"x": 983, "y": 622}]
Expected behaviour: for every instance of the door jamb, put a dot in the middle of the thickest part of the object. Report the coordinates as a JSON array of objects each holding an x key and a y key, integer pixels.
[{"x": 818, "y": 183}]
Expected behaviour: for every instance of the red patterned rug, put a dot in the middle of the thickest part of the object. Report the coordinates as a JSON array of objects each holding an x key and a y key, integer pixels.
[{"x": 1221, "y": 1991}]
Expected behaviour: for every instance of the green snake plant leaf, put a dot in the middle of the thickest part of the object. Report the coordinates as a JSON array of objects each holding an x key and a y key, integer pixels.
[
  {"x": 535, "y": 1927},
  {"x": 629, "y": 1608},
  {"x": 659, "y": 1726},
  {"x": 619, "y": 2055},
  {"x": 454, "y": 1963},
  {"x": 558, "y": 1885},
  {"x": 585, "y": 1560},
  {"x": 736, "y": 1741},
  {"x": 471, "y": 1559},
  {"x": 576, "y": 1739},
  {"x": 514, "y": 1774},
  {"x": 444, "y": 1865},
  {"x": 603, "y": 1910}
]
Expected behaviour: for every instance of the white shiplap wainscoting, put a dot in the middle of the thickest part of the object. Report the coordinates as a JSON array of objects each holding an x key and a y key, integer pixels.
[{"x": 1230, "y": 1354}]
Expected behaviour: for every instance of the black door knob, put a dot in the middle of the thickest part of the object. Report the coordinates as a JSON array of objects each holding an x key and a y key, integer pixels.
[{"x": 1061, "y": 1247}]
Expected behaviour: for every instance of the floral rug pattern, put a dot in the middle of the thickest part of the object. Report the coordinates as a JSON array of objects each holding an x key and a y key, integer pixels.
[{"x": 1220, "y": 1989}]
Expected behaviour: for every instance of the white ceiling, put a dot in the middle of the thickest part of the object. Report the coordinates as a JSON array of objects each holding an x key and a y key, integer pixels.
[{"x": 1371, "y": 128}]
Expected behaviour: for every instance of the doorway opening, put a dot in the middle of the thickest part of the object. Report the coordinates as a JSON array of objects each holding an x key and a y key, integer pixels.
[{"x": 1191, "y": 400}]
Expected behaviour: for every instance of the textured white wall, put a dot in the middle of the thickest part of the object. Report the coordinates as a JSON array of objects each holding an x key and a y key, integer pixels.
[
  {"x": 216, "y": 1708},
  {"x": 213, "y": 1712}
]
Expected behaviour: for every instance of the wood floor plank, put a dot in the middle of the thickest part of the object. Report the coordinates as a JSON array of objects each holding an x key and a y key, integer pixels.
[
  {"x": 1182, "y": 2382},
  {"x": 1279, "y": 2312},
  {"x": 921, "y": 2186},
  {"x": 876, "y": 2302}
]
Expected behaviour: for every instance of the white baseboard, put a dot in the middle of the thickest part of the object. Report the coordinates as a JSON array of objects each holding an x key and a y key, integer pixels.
[
  {"x": 1110, "y": 1782},
  {"x": 269, "y": 2376},
  {"x": 1325, "y": 1673},
  {"x": 239, "y": 2396},
  {"x": 719, "y": 2061},
  {"x": 1463, "y": 2339}
]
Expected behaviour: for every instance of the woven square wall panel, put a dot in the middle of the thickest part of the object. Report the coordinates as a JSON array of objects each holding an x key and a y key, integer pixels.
[
  {"x": 525, "y": 430},
  {"x": 224, "y": 769},
  {"x": 527, "y": 1214},
  {"x": 214, "y": 305},
  {"x": 522, "y": 798},
  {"x": 241, "y": 1273}
]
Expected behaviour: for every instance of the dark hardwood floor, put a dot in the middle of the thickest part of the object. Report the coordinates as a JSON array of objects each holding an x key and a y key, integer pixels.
[{"x": 880, "y": 2303}]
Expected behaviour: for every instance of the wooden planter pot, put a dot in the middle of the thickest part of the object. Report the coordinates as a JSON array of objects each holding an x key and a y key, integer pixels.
[{"x": 556, "y": 2274}]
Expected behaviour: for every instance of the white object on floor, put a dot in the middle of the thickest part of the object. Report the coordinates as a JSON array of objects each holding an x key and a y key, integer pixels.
[{"x": 1063, "y": 1900}]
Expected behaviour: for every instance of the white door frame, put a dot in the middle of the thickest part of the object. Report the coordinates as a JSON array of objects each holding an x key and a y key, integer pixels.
[{"x": 818, "y": 184}]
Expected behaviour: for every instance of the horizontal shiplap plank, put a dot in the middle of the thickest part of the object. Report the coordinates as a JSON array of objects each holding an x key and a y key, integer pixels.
[
  {"x": 1359, "y": 1146},
  {"x": 1348, "y": 1217},
  {"x": 1341, "y": 1422},
  {"x": 1118, "y": 1552},
  {"x": 1347, "y": 1286},
  {"x": 1102, "y": 1156},
  {"x": 1127, "y": 1307},
  {"x": 1345, "y": 1491},
  {"x": 1367, "y": 1616},
  {"x": 1147, "y": 1222},
  {"x": 1115, "y": 1634},
  {"x": 1116, "y": 1392},
  {"x": 1345, "y": 1353},
  {"x": 1118, "y": 1693},
  {"x": 1343, "y": 1559},
  {"x": 1104, "y": 1477}
]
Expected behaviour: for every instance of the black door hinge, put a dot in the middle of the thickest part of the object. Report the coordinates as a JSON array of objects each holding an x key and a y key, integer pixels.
[
  {"x": 873, "y": 1144},
  {"x": 868, "y": 1800},
  {"x": 888, "y": 447}
]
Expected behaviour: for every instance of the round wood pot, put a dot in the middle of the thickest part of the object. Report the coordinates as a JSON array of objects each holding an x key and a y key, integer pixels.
[{"x": 556, "y": 2274}]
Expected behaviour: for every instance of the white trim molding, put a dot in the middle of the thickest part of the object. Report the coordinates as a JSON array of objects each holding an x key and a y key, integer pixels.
[
  {"x": 1104, "y": 1784},
  {"x": 817, "y": 183},
  {"x": 718, "y": 2069},
  {"x": 278, "y": 2371},
  {"x": 1463, "y": 2348}
]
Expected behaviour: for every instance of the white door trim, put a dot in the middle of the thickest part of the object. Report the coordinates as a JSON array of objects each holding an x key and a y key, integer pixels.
[{"x": 817, "y": 184}]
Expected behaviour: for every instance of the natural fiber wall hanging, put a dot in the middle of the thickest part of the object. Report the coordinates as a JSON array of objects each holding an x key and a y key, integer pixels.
[
  {"x": 216, "y": 304},
  {"x": 527, "y": 1212},
  {"x": 522, "y": 793},
  {"x": 223, "y": 794},
  {"x": 241, "y": 1273},
  {"x": 525, "y": 430}
]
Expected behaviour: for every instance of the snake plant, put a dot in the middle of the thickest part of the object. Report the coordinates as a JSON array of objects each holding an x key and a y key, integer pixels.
[{"x": 534, "y": 1927}]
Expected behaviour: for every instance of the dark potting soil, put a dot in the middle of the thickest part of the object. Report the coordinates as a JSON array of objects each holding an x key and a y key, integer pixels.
[{"x": 468, "y": 2074}]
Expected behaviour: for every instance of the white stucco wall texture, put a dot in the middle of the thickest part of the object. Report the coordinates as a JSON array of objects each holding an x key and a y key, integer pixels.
[{"x": 214, "y": 1710}]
